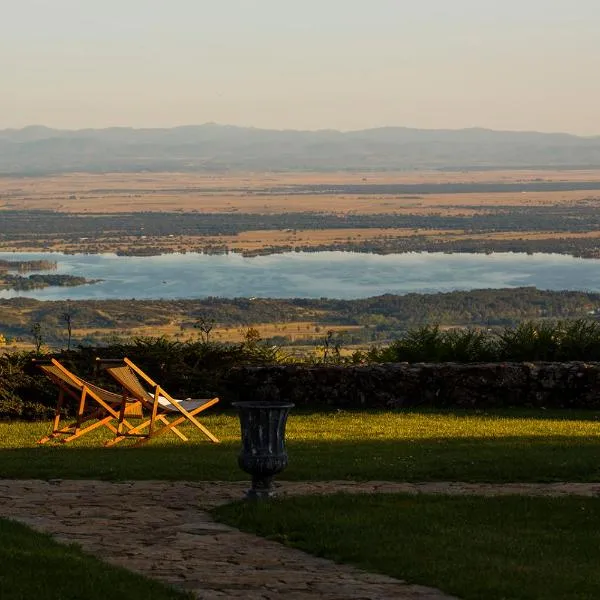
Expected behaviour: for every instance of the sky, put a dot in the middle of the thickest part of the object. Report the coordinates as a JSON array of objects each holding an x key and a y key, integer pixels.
[{"x": 314, "y": 64}]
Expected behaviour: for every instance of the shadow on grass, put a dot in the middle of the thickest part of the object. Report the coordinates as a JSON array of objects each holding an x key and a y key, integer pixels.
[
  {"x": 499, "y": 459},
  {"x": 493, "y": 548}
]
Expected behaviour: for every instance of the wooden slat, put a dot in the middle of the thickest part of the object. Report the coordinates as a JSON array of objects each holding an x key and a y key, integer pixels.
[{"x": 128, "y": 375}]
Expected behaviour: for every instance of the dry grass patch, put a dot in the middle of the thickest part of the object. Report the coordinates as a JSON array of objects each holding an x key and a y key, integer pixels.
[
  {"x": 234, "y": 334},
  {"x": 114, "y": 192}
]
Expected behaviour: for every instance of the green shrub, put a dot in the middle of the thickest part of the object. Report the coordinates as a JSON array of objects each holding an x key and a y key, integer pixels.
[
  {"x": 429, "y": 344},
  {"x": 581, "y": 340},
  {"x": 202, "y": 369},
  {"x": 22, "y": 393},
  {"x": 185, "y": 369},
  {"x": 531, "y": 341}
]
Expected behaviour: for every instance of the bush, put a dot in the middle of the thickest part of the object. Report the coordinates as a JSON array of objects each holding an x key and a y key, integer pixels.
[
  {"x": 22, "y": 393},
  {"x": 560, "y": 341},
  {"x": 190, "y": 369},
  {"x": 204, "y": 369},
  {"x": 429, "y": 344}
]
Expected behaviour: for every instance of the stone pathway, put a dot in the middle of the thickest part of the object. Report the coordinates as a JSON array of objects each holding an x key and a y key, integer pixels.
[{"x": 162, "y": 530}]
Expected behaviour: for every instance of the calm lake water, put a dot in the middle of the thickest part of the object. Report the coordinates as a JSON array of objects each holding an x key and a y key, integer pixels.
[{"x": 308, "y": 275}]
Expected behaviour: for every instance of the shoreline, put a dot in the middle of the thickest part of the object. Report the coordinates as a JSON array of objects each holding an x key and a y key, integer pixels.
[{"x": 508, "y": 246}]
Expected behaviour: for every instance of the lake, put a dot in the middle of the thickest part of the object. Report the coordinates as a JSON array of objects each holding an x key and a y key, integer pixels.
[{"x": 344, "y": 275}]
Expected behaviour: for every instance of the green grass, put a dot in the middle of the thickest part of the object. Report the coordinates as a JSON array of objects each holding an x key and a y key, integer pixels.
[
  {"x": 492, "y": 548},
  {"x": 414, "y": 446},
  {"x": 34, "y": 567}
]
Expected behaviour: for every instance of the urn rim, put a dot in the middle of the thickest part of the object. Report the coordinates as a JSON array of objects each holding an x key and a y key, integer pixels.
[{"x": 262, "y": 404}]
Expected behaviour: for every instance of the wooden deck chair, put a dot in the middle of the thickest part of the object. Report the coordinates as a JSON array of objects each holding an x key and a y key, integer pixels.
[
  {"x": 157, "y": 401},
  {"x": 96, "y": 407}
]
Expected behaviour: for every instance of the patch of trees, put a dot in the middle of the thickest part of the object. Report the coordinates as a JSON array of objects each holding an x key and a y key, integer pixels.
[
  {"x": 380, "y": 318},
  {"x": 30, "y": 225},
  {"x": 27, "y": 265},
  {"x": 579, "y": 247},
  {"x": 38, "y": 281}
]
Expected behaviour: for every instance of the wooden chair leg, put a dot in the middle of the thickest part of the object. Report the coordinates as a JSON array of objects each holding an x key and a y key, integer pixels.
[
  {"x": 154, "y": 412},
  {"x": 61, "y": 397},
  {"x": 80, "y": 412},
  {"x": 172, "y": 427},
  {"x": 135, "y": 432},
  {"x": 66, "y": 430},
  {"x": 56, "y": 421},
  {"x": 197, "y": 424},
  {"x": 187, "y": 416},
  {"x": 121, "y": 414},
  {"x": 191, "y": 417},
  {"x": 100, "y": 423}
]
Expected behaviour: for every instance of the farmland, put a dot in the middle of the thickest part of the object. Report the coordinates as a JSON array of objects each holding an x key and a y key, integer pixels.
[{"x": 142, "y": 213}]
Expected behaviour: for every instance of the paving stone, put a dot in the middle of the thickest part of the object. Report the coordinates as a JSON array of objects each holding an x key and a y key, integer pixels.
[{"x": 161, "y": 530}]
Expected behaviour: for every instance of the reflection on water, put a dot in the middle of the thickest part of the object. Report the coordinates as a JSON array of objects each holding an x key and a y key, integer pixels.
[{"x": 307, "y": 275}]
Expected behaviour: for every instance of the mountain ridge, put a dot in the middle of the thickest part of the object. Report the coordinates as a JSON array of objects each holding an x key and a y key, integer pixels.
[
  {"x": 62, "y": 132},
  {"x": 210, "y": 146}
]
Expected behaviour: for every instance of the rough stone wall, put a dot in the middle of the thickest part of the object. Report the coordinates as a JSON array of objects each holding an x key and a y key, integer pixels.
[{"x": 549, "y": 385}]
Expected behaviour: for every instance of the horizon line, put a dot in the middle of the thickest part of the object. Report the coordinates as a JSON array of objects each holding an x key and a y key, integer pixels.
[{"x": 298, "y": 130}]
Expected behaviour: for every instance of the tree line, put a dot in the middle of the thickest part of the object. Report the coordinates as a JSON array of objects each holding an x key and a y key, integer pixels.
[
  {"x": 379, "y": 319},
  {"x": 16, "y": 225}
]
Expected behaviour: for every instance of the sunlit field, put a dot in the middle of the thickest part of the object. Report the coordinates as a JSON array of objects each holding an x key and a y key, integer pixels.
[{"x": 494, "y": 446}]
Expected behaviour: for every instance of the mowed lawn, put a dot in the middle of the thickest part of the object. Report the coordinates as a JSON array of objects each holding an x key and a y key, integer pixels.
[
  {"x": 471, "y": 547},
  {"x": 515, "y": 445}
]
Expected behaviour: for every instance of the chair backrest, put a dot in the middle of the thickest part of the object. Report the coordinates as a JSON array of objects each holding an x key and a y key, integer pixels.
[
  {"x": 106, "y": 395},
  {"x": 60, "y": 374},
  {"x": 125, "y": 375}
]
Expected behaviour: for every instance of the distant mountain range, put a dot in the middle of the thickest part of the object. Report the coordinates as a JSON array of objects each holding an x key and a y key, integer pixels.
[{"x": 212, "y": 147}]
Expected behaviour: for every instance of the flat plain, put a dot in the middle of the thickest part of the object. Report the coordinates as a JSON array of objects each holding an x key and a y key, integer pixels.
[
  {"x": 341, "y": 194},
  {"x": 460, "y": 211},
  {"x": 262, "y": 192}
]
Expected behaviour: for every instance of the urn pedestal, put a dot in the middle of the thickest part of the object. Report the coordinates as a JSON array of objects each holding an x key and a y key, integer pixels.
[{"x": 263, "y": 452}]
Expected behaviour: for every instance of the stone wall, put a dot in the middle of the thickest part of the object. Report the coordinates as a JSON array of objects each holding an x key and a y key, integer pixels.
[{"x": 549, "y": 385}]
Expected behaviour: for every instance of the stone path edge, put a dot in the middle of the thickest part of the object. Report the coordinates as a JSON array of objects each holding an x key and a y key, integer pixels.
[
  {"x": 163, "y": 530},
  {"x": 214, "y": 493}
]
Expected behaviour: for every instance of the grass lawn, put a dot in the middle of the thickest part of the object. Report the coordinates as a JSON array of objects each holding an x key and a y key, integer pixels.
[
  {"x": 34, "y": 567},
  {"x": 456, "y": 445},
  {"x": 492, "y": 548}
]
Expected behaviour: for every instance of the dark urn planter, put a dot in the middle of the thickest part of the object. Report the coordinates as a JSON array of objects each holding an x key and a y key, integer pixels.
[{"x": 263, "y": 453}]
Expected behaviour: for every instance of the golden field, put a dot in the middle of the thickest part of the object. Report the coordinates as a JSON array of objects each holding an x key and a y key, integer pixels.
[
  {"x": 161, "y": 192},
  {"x": 239, "y": 193}
]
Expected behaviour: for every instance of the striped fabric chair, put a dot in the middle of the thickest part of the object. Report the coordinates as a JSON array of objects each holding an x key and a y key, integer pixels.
[
  {"x": 156, "y": 401},
  {"x": 96, "y": 407}
]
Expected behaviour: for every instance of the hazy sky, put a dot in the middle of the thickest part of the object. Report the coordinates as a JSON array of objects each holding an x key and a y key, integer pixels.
[{"x": 344, "y": 64}]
